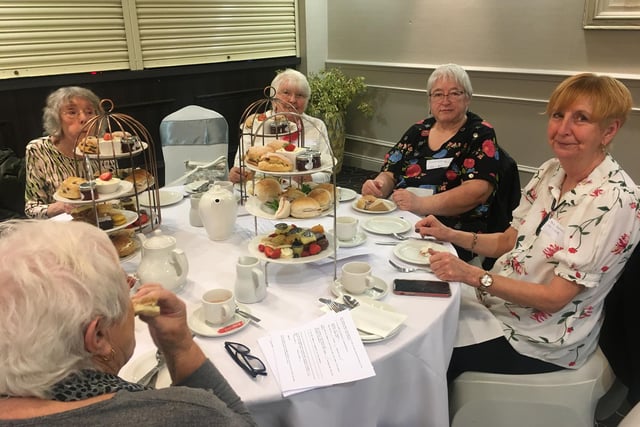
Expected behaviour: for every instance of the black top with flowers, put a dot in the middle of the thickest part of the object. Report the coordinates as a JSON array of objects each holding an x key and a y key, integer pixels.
[{"x": 470, "y": 154}]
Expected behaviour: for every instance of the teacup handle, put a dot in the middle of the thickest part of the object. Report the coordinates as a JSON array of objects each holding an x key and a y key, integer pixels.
[
  {"x": 258, "y": 278},
  {"x": 369, "y": 282}
]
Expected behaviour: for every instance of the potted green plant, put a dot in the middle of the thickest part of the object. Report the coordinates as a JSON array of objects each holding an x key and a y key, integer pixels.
[{"x": 332, "y": 92}]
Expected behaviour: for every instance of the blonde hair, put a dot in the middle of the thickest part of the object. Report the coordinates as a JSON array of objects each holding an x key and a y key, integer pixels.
[{"x": 610, "y": 98}]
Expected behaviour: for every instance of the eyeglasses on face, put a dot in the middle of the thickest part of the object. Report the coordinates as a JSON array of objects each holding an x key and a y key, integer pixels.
[
  {"x": 250, "y": 363},
  {"x": 288, "y": 93},
  {"x": 74, "y": 113},
  {"x": 454, "y": 95}
]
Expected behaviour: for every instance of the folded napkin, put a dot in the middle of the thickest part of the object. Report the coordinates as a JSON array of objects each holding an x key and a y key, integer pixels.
[{"x": 373, "y": 320}]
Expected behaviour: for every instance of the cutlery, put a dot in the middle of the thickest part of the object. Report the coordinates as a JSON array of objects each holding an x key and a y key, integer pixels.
[
  {"x": 149, "y": 379},
  {"x": 350, "y": 301},
  {"x": 387, "y": 243},
  {"x": 333, "y": 305},
  {"x": 408, "y": 269},
  {"x": 247, "y": 315}
]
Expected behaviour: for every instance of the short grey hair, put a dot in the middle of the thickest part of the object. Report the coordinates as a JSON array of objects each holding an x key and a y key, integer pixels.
[
  {"x": 451, "y": 72},
  {"x": 56, "y": 100},
  {"x": 56, "y": 278},
  {"x": 296, "y": 79}
]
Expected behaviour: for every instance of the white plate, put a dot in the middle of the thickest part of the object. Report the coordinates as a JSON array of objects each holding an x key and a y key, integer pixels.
[
  {"x": 124, "y": 188},
  {"x": 253, "y": 249},
  {"x": 390, "y": 204},
  {"x": 129, "y": 215},
  {"x": 337, "y": 289},
  {"x": 356, "y": 241},
  {"x": 113, "y": 156},
  {"x": 346, "y": 194},
  {"x": 139, "y": 366},
  {"x": 386, "y": 225},
  {"x": 256, "y": 208},
  {"x": 197, "y": 324},
  {"x": 409, "y": 250},
  {"x": 167, "y": 198}
]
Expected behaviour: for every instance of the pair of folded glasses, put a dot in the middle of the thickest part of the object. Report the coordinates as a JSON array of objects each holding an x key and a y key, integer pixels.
[{"x": 248, "y": 362}]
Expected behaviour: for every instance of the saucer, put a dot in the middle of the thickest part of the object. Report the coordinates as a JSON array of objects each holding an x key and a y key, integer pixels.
[
  {"x": 198, "y": 325},
  {"x": 337, "y": 289},
  {"x": 356, "y": 241}
]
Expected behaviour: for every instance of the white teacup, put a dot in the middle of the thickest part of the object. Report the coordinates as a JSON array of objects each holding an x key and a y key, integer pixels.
[
  {"x": 346, "y": 228},
  {"x": 218, "y": 306},
  {"x": 356, "y": 277},
  {"x": 420, "y": 192}
]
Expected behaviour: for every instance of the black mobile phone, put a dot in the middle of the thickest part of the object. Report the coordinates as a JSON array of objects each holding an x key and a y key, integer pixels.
[{"x": 427, "y": 288}]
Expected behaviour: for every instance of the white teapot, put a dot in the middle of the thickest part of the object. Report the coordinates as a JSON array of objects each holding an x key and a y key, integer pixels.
[
  {"x": 162, "y": 262},
  {"x": 218, "y": 210}
]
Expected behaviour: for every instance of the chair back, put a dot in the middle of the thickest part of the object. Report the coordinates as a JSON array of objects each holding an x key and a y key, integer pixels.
[{"x": 191, "y": 135}]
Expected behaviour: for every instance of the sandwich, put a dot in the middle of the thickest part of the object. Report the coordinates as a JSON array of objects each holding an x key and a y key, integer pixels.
[
  {"x": 372, "y": 203},
  {"x": 293, "y": 193},
  {"x": 322, "y": 196},
  {"x": 255, "y": 153},
  {"x": 305, "y": 207},
  {"x": 146, "y": 307},
  {"x": 124, "y": 242},
  {"x": 267, "y": 189},
  {"x": 284, "y": 208},
  {"x": 273, "y": 162},
  {"x": 141, "y": 179}
]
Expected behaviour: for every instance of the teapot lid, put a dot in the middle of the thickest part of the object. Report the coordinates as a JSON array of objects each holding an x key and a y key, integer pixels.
[{"x": 159, "y": 241}]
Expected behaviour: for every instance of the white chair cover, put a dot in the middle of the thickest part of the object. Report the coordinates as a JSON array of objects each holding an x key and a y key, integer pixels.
[{"x": 190, "y": 137}]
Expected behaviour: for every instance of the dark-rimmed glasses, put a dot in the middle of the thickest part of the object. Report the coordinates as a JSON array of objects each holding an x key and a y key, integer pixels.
[
  {"x": 240, "y": 354},
  {"x": 454, "y": 95}
]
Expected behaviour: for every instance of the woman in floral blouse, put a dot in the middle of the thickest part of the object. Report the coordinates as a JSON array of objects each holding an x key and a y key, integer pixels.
[
  {"x": 576, "y": 226},
  {"x": 453, "y": 153}
]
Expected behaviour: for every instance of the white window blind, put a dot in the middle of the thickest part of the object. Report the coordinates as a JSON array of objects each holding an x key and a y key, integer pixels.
[{"x": 50, "y": 37}]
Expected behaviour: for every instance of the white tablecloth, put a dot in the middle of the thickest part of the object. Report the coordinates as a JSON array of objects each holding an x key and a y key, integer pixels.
[{"x": 409, "y": 388}]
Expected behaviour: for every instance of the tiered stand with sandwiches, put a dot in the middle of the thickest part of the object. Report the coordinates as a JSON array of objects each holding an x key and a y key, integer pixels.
[
  {"x": 114, "y": 186},
  {"x": 266, "y": 150}
]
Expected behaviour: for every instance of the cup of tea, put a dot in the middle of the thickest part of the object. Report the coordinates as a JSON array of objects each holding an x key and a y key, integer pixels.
[
  {"x": 356, "y": 277},
  {"x": 346, "y": 228},
  {"x": 218, "y": 306}
]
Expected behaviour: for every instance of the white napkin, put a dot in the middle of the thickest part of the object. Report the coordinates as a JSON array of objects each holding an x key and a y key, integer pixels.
[{"x": 374, "y": 320}]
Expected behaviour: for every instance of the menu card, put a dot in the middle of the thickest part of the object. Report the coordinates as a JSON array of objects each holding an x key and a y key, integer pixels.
[{"x": 323, "y": 352}]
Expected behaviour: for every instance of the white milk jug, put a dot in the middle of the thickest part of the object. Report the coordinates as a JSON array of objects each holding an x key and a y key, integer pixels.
[
  {"x": 218, "y": 210},
  {"x": 162, "y": 262},
  {"x": 250, "y": 283}
]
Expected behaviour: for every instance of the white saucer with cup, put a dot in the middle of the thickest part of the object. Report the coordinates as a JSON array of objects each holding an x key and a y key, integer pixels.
[
  {"x": 356, "y": 277},
  {"x": 346, "y": 228}
]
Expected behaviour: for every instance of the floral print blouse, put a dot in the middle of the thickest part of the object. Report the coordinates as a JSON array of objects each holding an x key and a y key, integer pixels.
[
  {"x": 586, "y": 236},
  {"x": 470, "y": 154}
]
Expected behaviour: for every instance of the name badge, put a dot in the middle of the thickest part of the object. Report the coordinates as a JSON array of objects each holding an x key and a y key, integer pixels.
[
  {"x": 439, "y": 163},
  {"x": 553, "y": 229}
]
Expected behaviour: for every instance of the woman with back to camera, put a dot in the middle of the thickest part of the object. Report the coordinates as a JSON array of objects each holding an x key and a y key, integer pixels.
[
  {"x": 292, "y": 90},
  {"x": 452, "y": 153},
  {"x": 67, "y": 328},
  {"x": 576, "y": 226},
  {"x": 51, "y": 159}
]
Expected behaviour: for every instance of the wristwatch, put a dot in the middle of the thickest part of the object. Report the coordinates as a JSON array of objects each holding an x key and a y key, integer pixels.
[{"x": 485, "y": 282}]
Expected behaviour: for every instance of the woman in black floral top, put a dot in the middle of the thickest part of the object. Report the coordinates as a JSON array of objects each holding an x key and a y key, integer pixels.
[{"x": 453, "y": 153}]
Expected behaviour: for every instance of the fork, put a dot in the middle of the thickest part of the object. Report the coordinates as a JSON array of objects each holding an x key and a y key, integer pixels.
[{"x": 408, "y": 269}]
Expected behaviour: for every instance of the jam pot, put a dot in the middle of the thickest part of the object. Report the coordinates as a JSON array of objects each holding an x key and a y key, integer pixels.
[
  {"x": 88, "y": 190},
  {"x": 308, "y": 160}
]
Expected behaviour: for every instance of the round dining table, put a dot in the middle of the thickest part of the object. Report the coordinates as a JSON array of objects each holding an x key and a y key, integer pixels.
[{"x": 409, "y": 387}]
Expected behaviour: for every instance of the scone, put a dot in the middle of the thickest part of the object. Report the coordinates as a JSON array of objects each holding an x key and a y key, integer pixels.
[{"x": 70, "y": 188}]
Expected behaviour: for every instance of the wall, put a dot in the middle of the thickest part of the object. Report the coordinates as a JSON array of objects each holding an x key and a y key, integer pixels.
[{"x": 515, "y": 52}]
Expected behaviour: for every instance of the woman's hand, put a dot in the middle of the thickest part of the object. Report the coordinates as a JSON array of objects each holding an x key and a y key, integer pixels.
[
  {"x": 373, "y": 187},
  {"x": 57, "y": 208},
  {"x": 448, "y": 267},
  {"x": 236, "y": 177},
  {"x": 407, "y": 201},
  {"x": 431, "y": 226}
]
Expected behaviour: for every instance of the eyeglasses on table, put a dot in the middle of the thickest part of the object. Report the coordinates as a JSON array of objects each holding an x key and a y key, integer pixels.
[{"x": 250, "y": 363}]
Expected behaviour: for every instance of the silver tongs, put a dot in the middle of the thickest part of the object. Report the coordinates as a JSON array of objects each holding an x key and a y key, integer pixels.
[{"x": 149, "y": 379}]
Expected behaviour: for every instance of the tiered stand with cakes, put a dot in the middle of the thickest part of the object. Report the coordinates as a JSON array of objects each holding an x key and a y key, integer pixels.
[
  {"x": 115, "y": 156},
  {"x": 261, "y": 126}
]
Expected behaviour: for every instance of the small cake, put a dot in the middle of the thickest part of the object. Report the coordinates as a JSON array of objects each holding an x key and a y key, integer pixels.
[{"x": 105, "y": 222}]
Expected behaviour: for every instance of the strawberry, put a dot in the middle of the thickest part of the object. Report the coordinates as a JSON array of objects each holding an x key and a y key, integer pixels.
[
  {"x": 106, "y": 176},
  {"x": 261, "y": 247},
  {"x": 304, "y": 253},
  {"x": 262, "y": 117},
  {"x": 290, "y": 147},
  {"x": 273, "y": 253},
  {"x": 107, "y": 137},
  {"x": 314, "y": 249}
]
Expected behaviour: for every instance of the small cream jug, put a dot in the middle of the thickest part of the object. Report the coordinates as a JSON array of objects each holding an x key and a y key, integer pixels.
[
  {"x": 218, "y": 210},
  {"x": 162, "y": 262},
  {"x": 250, "y": 286}
]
